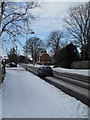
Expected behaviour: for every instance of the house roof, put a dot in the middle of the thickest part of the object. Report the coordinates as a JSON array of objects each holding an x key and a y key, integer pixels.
[{"x": 44, "y": 54}]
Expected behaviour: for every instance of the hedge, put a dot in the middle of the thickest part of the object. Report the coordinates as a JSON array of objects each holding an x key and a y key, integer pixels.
[{"x": 81, "y": 64}]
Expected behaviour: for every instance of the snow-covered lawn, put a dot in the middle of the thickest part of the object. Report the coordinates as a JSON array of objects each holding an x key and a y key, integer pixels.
[
  {"x": 84, "y": 72},
  {"x": 25, "y": 95}
]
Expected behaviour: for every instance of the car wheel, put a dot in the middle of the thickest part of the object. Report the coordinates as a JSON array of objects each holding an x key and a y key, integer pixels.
[{"x": 38, "y": 75}]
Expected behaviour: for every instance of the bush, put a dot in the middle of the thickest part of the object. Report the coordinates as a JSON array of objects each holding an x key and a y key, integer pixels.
[
  {"x": 67, "y": 55},
  {"x": 80, "y": 65}
]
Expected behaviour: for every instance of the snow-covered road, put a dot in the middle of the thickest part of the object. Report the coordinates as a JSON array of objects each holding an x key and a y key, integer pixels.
[{"x": 25, "y": 95}]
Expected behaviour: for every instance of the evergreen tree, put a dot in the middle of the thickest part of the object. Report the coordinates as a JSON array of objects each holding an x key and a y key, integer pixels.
[
  {"x": 67, "y": 55},
  {"x": 13, "y": 56}
]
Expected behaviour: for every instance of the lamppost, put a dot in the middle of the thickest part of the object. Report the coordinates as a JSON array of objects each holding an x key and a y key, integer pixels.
[
  {"x": 27, "y": 30},
  {"x": 26, "y": 40},
  {"x": 14, "y": 42}
]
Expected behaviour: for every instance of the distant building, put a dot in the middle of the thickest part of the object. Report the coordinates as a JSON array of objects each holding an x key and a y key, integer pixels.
[
  {"x": 44, "y": 58},
  {"x": 31, "y": 60}
]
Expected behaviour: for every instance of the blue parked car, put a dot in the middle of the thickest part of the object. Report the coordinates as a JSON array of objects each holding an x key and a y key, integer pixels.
[{"x": 44, "y": 71}]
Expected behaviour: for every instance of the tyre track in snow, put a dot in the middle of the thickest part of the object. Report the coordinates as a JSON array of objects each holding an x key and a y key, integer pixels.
[{"x": 77, "y": 86}]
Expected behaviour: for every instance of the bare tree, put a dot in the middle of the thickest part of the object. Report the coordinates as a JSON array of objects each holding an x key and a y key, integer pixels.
[
  {"x": 54, "y": 41},
  {"x": 77, "y": 24},
  {"x": 34, "y": 47},
  {"x": 13, "y": 16}
]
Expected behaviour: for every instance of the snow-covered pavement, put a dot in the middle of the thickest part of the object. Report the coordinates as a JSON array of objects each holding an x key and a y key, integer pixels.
[
  {"x": 0, "y": 102},
  {"x": 25, "y": 95}
]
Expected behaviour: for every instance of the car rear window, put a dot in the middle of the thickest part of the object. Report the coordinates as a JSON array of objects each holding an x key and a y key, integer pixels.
[{"x": 45, "y": 68}]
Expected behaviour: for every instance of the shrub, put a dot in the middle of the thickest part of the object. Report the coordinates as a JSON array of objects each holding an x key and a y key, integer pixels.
[
  {"x": 81, "y": 64},
  {"x": 67, "y": 55}
]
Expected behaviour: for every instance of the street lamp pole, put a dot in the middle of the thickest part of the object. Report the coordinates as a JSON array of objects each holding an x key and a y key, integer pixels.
[
  {"x": 26, "y": 42},
  {"x": 27, "y": 29},
  {"x": 14, "y": 42}
]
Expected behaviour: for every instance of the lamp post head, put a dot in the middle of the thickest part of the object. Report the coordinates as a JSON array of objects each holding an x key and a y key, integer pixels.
[{"x": 32, "y": 32}]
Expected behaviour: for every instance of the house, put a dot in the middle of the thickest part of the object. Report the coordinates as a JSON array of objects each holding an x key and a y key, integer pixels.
[{"x": 44, "y": 58}]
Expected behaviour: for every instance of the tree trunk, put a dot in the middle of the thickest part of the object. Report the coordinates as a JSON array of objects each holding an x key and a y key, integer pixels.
[
  {"x": 84, "y": 51},
  {"x": 2, "y": 4},
  {"x": 89, "y": 33}
]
